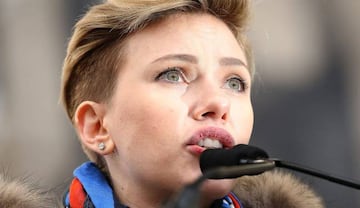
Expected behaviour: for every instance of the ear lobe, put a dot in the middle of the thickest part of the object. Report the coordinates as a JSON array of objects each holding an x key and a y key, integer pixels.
[{"x": 88, "y": 123}]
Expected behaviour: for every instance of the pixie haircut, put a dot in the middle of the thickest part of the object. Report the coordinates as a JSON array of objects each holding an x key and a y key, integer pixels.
[{"x": 97, "y": 47}]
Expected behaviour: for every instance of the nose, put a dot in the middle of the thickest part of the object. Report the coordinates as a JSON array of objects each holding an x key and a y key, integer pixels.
[{"x": 210, "y": 104}]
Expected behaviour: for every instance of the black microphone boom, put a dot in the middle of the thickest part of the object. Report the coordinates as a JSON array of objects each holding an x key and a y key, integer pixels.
[{"x": 317, "y": 173}]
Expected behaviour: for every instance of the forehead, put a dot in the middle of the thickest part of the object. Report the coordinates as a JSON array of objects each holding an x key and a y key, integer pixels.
[{"x": 184, "y": 33}]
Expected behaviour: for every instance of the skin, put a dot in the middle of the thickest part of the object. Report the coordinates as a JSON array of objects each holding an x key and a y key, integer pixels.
[{"x": 153, "y": 113}]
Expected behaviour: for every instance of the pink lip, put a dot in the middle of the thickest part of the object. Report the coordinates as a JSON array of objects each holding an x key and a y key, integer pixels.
[{"x": 220, "y": 134}]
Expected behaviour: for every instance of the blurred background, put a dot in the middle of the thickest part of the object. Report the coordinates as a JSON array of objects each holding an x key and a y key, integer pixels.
[{"x": 306, "y": 94}]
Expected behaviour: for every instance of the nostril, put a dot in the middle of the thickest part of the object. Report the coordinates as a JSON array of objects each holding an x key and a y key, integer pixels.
[
  {"x": 208, "y": 114},
  {"x": 213, "y": 107},
  {"x": 214, "y": 115},
  {"x": 224, "y": 116}
]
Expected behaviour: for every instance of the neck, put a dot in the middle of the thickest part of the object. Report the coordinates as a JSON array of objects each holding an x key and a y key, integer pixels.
[{"x": 139, "y": 196}]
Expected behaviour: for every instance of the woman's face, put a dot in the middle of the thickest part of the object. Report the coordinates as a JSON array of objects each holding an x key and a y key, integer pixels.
[{"x": 184, "y": 87}]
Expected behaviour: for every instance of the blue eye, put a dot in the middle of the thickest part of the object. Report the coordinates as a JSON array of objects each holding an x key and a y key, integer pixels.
[
  {"x": 236, "y": 84},
  {"x": 171, "y": 75}
]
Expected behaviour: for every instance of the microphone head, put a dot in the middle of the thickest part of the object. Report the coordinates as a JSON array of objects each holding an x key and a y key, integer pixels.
[{"x": 214, "y": 158}]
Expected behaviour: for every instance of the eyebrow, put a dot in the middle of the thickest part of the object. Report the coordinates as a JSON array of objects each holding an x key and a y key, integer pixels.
[
  {"x": 224, "y": 61},
  {"x": 228, "y": 61},
  {"x": 181, "y": 57}
]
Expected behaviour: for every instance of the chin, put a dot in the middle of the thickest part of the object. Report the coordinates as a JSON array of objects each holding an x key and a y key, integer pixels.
[{"x": 216, "y": 189}]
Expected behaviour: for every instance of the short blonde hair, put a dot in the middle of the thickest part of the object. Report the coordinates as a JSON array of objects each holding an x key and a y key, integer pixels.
[{"x": 96, "y": 48}]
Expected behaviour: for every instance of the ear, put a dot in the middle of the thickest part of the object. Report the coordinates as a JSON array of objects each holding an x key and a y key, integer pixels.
[{"x": 88, "y": 121}]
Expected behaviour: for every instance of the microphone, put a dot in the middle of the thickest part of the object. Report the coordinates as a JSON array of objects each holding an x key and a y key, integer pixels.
[
  {"x": 236, "y": 162},
  {"x": 223, "y": 164},
  {"x": 242, "y": 158}
]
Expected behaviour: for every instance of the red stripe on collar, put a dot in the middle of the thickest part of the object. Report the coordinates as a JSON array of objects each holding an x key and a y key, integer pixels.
[{"x": 76, "y": 194}]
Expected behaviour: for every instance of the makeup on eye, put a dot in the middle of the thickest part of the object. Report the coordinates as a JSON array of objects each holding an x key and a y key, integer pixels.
[
  {"x": 237, "y": 84},
  {"x": 172, "y": 75}
]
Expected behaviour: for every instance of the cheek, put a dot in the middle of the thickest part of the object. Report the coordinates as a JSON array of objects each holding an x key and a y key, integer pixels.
[
  {"x": 243, "y": 122},
  {"x": 141, "y": 120}
]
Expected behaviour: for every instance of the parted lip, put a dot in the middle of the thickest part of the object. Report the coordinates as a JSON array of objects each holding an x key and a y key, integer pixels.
[{"x": 223, "y": 136}]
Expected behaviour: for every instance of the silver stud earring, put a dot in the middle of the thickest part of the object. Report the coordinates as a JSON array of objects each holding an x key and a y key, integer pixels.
[{"x": 101, "y": 146}]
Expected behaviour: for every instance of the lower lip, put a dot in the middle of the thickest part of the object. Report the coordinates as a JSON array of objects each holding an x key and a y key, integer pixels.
[{"x": 195, "y": 149}]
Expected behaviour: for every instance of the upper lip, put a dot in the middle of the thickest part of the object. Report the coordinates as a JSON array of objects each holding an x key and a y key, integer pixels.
[{"x": 223, "y": 136}]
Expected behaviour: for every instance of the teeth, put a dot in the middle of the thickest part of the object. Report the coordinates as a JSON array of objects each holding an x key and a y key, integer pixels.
[{"x": 210, "y": 143}]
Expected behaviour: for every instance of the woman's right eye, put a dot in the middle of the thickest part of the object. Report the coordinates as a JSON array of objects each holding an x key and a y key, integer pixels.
[{"x": 173, "y": 75}]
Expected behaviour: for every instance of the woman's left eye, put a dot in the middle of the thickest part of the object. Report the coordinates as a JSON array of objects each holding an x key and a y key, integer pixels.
[
  {"x": 171, "y": 75},
  {"x": 236, "y": 84}
]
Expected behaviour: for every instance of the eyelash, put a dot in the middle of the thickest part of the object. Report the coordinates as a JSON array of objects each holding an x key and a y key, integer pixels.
[
  {"x": 244, "y": 85},
  {"x": 178, "y": 70}
]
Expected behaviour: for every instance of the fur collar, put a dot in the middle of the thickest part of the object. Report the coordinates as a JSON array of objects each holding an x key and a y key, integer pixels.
[
  {"x": 272, "y": 189},
  {"x": 275, "y": 189},
  {"x": 23, "y": 193}
]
